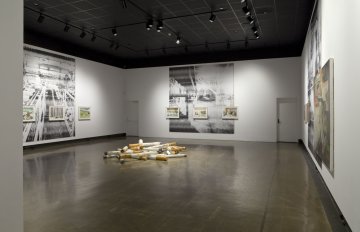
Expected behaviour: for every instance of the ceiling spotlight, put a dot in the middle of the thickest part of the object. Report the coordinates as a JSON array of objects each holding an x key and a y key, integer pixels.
[
  {"x": 178, "y": 40},
  {"x": 212, "y": 17},
  {"x": 114, "y": 31},
  {"x": 257, "y": 36},
  {"x": 246, "y": 10},
  {"x": 160, "y": 26},
  {"x": 254, "y": 28},
  {"x": 228, "y": 44},
  {"x": 66, "y": 28},
  {"x": 93, "y": 38},
  {"x": 243, "y": 1},
  {"x": 83, "y": 34},
  {"x": 117, "y": 46},
  {"x": 41, "y": 18},
  {"x": 149, "y": 24},
  {"x": 250, "y": 19},
  {"x": 246, "y": 43},
  {"x": 123, "y": 3}
]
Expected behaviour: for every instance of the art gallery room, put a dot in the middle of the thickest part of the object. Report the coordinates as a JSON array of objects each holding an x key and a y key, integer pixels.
[{"x": 179, "y": 116}]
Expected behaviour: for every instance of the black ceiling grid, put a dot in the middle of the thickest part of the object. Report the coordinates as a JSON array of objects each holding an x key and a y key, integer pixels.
[{"x": 282, "y": 25}]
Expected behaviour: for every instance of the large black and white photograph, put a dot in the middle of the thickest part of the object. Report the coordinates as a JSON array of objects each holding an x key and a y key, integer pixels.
[
  {"x": 314, "y": 66},
  {"x": 49, "y": 86},
  {"x": 210, "y": 86}
]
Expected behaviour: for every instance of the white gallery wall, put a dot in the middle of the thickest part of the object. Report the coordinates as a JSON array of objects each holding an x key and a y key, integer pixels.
[
  {"x": 11, "y": 156},
  {"x": 257, "y": 85},
  {"x": 343, "y": 45},
  {"x": 100, "y": 87}
]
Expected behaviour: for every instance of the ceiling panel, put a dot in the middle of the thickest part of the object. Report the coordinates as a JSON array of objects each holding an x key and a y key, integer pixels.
[{"x": 280, "y": 22}]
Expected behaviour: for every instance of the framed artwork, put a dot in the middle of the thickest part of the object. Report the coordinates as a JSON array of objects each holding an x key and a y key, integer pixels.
[
  {"x": 56, "y": 113},
  {"x": 84, "y": 113},
  {"x": 28, "y": 114},
  {"x": 200, "y": 113},
  {"x": 230, "y": 113},
  {"x": 172, "y": 112}
]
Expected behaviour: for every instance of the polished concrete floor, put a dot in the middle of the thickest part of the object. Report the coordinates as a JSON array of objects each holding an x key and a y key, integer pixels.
[{"x": 220, "y": 186}]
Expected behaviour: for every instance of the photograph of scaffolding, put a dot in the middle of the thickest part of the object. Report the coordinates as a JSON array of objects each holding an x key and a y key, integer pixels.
[
  {"x": 48, "y": 87},
  {"x": 206, "y": 86}
]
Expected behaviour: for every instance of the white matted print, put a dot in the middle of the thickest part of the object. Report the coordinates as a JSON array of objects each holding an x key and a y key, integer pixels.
[
  {"x": 56, "y": 113},
  {"x": 84, "y": 113},
  {"x": 200, "y": 113},
  {"x": 230, "y": 113},
  {"x": 28, "y": 114},
  {"x": 172, "y": 112}
]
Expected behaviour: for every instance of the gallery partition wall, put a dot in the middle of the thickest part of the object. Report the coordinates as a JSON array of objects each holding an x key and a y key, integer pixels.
[{"x": 11, "y": 159}]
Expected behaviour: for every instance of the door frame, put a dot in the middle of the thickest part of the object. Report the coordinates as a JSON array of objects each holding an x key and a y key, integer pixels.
[
  {"x": 278, "y": 102},
  {"x": 138, "y": 108}
]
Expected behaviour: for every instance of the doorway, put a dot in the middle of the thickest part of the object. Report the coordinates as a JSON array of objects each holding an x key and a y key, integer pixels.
[
  {"x": 132, "y": 118},
  {"x": 287, "y": 120}
]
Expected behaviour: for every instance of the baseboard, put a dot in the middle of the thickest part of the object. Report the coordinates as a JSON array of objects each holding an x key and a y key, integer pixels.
[
  {"x": 338, "y": 221},
  {"x": 123, "y": 135}
]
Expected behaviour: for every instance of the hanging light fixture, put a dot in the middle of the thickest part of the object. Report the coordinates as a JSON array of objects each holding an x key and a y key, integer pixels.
[
  {"x": 114, "y": 31},
  {"x": 149, "y": 24},
  {"x": 66, "y": 28},
  {"x": 82, "y": 34},
  {"x": 41, "y": 18},
  {"x": 212, "y": 17},
  {"x": 178, "y": 40}
]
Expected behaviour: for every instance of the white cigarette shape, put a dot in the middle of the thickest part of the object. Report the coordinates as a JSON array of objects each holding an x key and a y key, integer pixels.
[
  {"x": 176, "y": 156},
  {"x": 150, "y": 144}
]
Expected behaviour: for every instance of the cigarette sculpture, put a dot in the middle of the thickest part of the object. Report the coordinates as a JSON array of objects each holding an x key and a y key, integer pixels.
[
  {"x": 145, "y": 151},
  {"x": 176, "y": 156},
  {"x": 158, "y": 157}
]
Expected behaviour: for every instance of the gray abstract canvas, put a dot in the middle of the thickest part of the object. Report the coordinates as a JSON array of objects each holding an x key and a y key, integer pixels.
[
  {"x": 48, "y": 83},
  {"x": 210, "y": 86}
]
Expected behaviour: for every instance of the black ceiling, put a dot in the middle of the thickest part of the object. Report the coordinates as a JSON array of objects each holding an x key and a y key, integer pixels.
[{"x": 282, "y": 25}]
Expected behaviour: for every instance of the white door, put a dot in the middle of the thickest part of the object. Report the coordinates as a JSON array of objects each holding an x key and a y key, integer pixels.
[
  {"x": 132, "y": 118},
  {"x": 287, "y": 120}
]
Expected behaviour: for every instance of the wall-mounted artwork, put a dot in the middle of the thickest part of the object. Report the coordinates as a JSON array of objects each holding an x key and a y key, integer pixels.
[
  {"x": 84, "y": 113},
  {"x": 322, "y": 120},
  {"x": 49, "y": 86},
  {"x": 210, "y": 86},
  {"x": 307, "y": 112},
  {"x": 172, "y": 112},
  {"x": 56, "y": 113},
  {"x": 29, "y": 114},
  {"x": 230, "y": 113},
  {"x": 200, "y": 113},
  {"x": 314, "y": 66}
]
